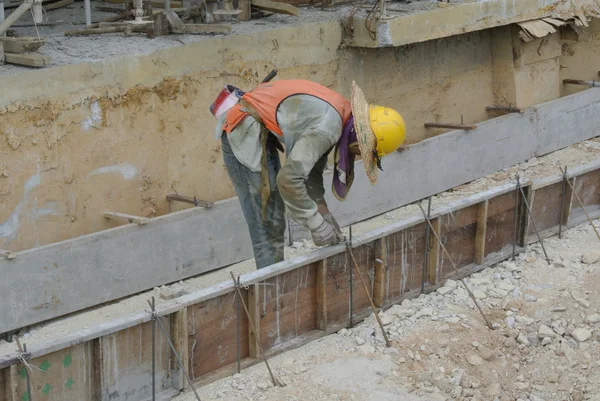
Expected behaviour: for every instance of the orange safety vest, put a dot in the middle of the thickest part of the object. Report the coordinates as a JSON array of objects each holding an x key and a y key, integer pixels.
[{"x": 267, "y": 97}]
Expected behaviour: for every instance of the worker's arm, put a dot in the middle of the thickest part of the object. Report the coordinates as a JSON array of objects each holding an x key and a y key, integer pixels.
[{"x": 294, "y": 179}]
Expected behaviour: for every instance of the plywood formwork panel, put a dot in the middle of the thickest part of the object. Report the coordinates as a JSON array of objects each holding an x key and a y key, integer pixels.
[
  {"x": 337, "y": 289},
  {"x": 458, "y": 231},
  {"x": 587, "y": 186},
  {"x": 3, "y": 385},
  {"x": 546, "y": 208},
  {"x": 365, "y": 258},
  {"x": 212, "y": 341},
  {"x": 59, "y": 376},
  {"x": 501, "y": 222},
  {"x": 288, "y": 306},
  {"x": 405, "y": 253},
  {"x": 126, "y": 363}
]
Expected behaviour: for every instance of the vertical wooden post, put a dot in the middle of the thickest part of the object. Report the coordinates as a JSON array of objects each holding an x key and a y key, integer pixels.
[
  {"x": 245, "y": 15},
  {"x": 434, "y": 253},
  {"x": 322, "y": 295},
  {"x": 253, "y": 308},
  {"x": 97, "y": 366},
  {"x": 567, "y": 206},
  {"x": 11, "y": 377},
  {"x": 482, "y": 212},
  {"x": 379, "y": 292},
  {"x": 179, "y": 336},
  {"x": 524, "y": 219}
]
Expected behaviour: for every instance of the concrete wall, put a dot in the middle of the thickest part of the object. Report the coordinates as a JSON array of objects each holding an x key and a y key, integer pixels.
[
  {"x": 580, "y": 57},
  {"x": 121, "y": 134}
]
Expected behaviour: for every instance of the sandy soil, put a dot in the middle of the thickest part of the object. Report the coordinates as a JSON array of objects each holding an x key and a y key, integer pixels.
[
  {"x": 583, "y": 152},
  {"x": 545, "y": 347}
]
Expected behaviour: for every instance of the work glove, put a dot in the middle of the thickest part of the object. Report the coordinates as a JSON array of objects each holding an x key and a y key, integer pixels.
[
  {"x": 338, "y": 231},
  {"x": 324, "y": 235}
]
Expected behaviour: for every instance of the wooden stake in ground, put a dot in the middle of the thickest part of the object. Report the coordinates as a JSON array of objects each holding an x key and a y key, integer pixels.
[
  {"x": 580, "y": 203},
  {"x": 387, "y": 341},
  {"x": 276, "y": 382},
  {"x": 437, "y": 237}
]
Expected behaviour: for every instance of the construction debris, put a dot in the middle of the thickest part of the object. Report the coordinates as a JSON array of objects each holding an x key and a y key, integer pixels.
[{"x": 21, "y": 44}]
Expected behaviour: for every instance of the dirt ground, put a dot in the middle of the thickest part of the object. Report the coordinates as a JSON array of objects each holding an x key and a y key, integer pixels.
[{"x": 545, "y": 347}]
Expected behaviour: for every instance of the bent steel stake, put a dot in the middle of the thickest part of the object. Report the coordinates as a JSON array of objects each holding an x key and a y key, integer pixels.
[
  {"x": 437, "y": 237},
  {"x": 580, "y": 202},
  {"x": 276, "y": 382},
  {"x": 387, "y": 341}
]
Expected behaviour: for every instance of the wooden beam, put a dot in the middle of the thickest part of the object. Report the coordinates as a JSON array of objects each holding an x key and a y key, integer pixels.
[
  {"x": 179, "y": 336},
  {"x": 254, "y": 310},
  {"x": 194, "y": 29},
  {"x": 379, "y": 290},
  {"x": 322, "y": 295},
  {"x": 275, "y": 7},
  {"x": 58, "y": 4},
  {"x": 28, "y": 60},
  {"x": 11, "y": 380},
  {"x": 21, "y": 44},
  {"x": 175, "y": 23},
  {"x": 481, "y": 233},
  {"x": 434, "y": 252},
  {"x": 126, "y": 217}
]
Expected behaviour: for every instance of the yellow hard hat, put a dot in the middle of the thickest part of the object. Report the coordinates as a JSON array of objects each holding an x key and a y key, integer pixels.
[{"x": 388, "y": 127}]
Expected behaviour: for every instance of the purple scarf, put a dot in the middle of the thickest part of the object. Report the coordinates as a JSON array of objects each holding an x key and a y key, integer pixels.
[{"x": 343, "y": 170}]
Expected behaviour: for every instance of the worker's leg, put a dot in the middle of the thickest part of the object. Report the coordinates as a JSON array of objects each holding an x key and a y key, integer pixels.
[{"x": 268, "y": 236}]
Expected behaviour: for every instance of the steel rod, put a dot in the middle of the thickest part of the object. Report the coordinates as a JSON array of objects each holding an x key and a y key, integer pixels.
[
  {"x": 153, "y": 352},
  {"x": 508, "y": 109},
  {"x": 28, "y": 377},
  {"x": 439, "y": 240},
  {"x": 187, "y": 199},
  {"x": 164, "y": 331},
  {"x": 450, "y": 126},
  {"x": 583, "y": 207},
  {"x": 531, "y": 217},
  {"x": 593, "y": 84},
  {"x": 426, "y": 255},
  {"x": 238, "y": 331},
  {"x": 562, "y": 204},
  {"x": 88, "y": 12},
  {"x": 351, "y": 283},
  {"x": 256, "y": 334},
  {"x": 387, "y": 341},
  {"x": 517, "y": 224}
]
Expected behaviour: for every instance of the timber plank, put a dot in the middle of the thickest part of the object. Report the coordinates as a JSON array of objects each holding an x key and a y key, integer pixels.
[
  {"x": 546, "y": 207},
  {"x": 338, "y": 289},
  {"x": 381, "y": 277},
  {"x": 459, "y": 231},
  {"x": 435, "y": 252},
  {"x": 180, "y": 339},
  {"x": 287, "y": 305},
  {"x": 322, "y": 295},
  {"x": 206, "y": 29},
  {"x": 482, "y": 215},
  {"x": 275, "y": 7},
  {"x": 28, "y": 60},
  {"x": 501, "y": 222},
  {"x": 587, "y": 186},
  {"x": 365, "y": 257},
  {"x": 21, "y": 44},
  {"x": 405, "y": 260},
  {"x": 212, "y": 337}
]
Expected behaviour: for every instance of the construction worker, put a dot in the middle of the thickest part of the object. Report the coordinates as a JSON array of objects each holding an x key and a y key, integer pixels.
[{"x": 306, "y": 121}]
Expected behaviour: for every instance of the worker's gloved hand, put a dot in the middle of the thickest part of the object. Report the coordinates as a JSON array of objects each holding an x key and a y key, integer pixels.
[
  {"x": 338, "y": 231},
  {"x": 325, "y": 235}
]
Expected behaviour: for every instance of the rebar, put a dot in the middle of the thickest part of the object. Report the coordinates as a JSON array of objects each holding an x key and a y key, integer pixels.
[
  {"x": 451, "y": 126},
  {"x": 582, "y": 207},
  {"x": 387, "y": 341},
  {"x": 164, "y": 331},
  {"x": 531, "y": 217},
  {"x": 439, "y": 240},
  {"x": 426, "y": 252},
  {"x": 562, "y": 204},
  {"x": 256, "y": 334}
]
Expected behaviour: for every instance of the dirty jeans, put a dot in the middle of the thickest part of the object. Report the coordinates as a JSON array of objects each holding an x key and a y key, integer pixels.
[{"x": 268, "y": 236}]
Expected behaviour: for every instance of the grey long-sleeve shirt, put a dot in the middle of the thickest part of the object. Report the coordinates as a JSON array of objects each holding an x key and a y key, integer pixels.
[{"x": 311, "y": 127}]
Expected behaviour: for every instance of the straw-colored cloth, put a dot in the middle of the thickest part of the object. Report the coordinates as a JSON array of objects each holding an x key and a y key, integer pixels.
[{"x": 365, "y": 136}]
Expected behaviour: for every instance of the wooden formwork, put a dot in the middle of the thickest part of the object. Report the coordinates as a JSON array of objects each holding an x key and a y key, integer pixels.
[{"x": 296, "y": 301}]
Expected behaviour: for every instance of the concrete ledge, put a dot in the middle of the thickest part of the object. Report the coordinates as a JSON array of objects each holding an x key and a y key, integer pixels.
[{"x": 459, "y": 18}]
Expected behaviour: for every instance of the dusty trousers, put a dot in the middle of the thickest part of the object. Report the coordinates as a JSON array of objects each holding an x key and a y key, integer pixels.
[{"x": 268, "y": 235}]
